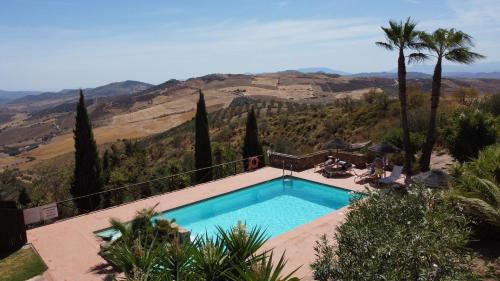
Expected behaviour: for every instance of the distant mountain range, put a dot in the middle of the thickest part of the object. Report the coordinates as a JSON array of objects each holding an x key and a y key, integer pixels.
[
  {"x": 321, "y": 70},
  {"x": 475, "y": 71},
  {"x": 489, "y": 70},
  {"x": 109, "y": 90},
  {"x": 393, "y": 75},
  {"x": 6, "y": 96},
  {"x": 480, "y": 67}
]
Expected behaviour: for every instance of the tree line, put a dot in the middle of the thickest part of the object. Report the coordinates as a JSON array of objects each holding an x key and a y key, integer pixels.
[{"x": 91, "y": 172}]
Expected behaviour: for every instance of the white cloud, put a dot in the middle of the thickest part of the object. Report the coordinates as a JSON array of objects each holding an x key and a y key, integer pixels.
[
  {"x": 67, "y": 58},
  {"x": 476, "y": 13},
  {"x": 157, "y": 54}
]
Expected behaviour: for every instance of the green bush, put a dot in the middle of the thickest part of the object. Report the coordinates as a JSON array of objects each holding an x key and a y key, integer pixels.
[
  {"x": 468, "y": 132},
  {"x": 388, "y": 236},
  {"x": 491, "y": 104},
  {"x": 395, "y": 137}
]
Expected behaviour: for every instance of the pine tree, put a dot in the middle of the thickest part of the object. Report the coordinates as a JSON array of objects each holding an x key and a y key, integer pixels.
[
  {"x": 87, "y": 177},
  {"x": 202, "y": 148},
  {"x": 251, "y": 143}
]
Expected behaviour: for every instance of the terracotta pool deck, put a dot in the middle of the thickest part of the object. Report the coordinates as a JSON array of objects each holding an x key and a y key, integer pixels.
[{"x": 70, "y": 247}]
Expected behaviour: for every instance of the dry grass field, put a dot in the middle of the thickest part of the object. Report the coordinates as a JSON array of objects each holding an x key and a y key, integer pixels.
[{"x": 143, "y": 114}]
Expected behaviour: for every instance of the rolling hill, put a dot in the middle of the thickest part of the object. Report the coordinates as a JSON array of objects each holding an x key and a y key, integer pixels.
[
  {"x": 45, "y": 100},
  {"x": 131, "y": 110}
]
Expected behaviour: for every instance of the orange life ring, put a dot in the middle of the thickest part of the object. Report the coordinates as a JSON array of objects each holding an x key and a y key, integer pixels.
[{"x": 253, "y": 163}]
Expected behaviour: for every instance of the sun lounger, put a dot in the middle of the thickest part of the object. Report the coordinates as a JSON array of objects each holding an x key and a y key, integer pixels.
[
  {"x": 319, "y": 167},
  {"x": 395, "y": 174}
]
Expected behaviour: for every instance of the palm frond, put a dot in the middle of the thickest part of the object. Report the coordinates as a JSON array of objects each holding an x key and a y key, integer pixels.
[
  {"x": 395, "y": 28},
  {"x": 463, "y": 55},
  {"x": 385, "y": 45},
  {"x": 264, "y": 270},
  {"x": 457, "y": 38},
  {"x": 391, "y": 35},
  {"x": 417, "y": 57},
  {"x": 241, "y": 244},
  {"x": 122, "y": 227},
  {"x": 409, "y": 33},
  {"x": 479, "y": 209}
]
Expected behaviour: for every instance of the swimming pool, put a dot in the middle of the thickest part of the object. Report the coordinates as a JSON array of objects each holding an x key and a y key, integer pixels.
[{"x": 277, "y": 206}]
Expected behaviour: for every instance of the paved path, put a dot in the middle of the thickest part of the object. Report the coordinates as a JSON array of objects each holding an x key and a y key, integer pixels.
[{"x": 70, "y": 247}]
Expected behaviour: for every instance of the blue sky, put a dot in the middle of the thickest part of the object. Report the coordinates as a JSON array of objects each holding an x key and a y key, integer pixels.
[{"x": 55, "y": 44}]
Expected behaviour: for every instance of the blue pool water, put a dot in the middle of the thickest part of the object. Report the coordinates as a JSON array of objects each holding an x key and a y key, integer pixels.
[{"x": 277, "y": 206}]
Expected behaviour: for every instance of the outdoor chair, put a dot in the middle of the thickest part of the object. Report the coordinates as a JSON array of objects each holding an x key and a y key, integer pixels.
[
  {"x": 338, "y": 169},
  {"x": 374, "y": 171},
  {"x": 319, "y": 167},
  {"x": 395, "y": 174}
]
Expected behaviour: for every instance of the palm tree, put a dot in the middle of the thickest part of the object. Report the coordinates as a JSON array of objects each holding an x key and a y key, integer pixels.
[
  {"x": 452, "y": 45},
  {"x": 400, "y": 37}
]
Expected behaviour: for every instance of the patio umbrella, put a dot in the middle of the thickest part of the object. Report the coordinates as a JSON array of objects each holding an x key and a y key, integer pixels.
[
  {"x": 384, "y": 148},
  {"x": 336, "y": 144},
  {"x": 432, "y": 178}
]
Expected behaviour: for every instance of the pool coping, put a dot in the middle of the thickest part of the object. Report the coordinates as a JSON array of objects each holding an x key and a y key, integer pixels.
[{"x": 242, "y": 189}]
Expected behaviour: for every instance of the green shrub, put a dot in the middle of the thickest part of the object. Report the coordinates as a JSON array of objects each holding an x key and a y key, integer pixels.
[
  {"x": 468, "y": 132},
  {"x": 388, "y": 236},
  {"x": 283, "y": 145},
  {"x": 395, "y": 137},
  {"x": 491, "y": 104}
]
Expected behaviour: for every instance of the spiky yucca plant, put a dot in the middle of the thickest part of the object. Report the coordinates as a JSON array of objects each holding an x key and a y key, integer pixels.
[{"x": 233, "y": 254}]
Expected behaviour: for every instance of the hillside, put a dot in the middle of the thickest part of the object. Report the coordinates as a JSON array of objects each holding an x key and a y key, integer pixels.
[
  {"x": 35, "y": 102},
  {"x": 12, "y": 95},
  {"x": 284, "y": 126},
  {"x": 46, "y": 132}
]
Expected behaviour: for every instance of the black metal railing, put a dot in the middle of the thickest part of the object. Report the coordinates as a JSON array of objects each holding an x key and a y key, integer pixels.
[{"x": 115, "y": 196}]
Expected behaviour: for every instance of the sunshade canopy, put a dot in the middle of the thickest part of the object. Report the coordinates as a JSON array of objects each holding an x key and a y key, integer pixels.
[
  {"x": 336, "y": 144},
  {"x": 384, "y": 148},
  {"x": 432, "y": 178}
]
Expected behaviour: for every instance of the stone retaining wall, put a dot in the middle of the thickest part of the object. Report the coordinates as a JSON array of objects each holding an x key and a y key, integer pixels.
[{"x": 301, "y": 163}]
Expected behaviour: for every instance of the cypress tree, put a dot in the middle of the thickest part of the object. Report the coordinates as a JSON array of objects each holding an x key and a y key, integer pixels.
[
  {"x": 87, "y": 177},
  {"x": 106, "y": 167},
  {"x": 202, "y": 148},
  {"x": 251, "y": 143},
  {"x": 23, "y": 197}
]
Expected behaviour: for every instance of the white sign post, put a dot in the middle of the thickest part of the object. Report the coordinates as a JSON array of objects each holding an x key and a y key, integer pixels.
[
  {"x": 32, "y": 215},
  {"x": 41, "y": 213},
  {"x": 49, "y": 211}
]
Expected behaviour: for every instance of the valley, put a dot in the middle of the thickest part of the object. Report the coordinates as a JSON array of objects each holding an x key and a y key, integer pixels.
[{"x": 39, "y": 127}]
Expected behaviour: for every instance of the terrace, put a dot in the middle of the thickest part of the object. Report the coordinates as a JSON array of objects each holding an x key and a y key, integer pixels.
[{"x": 70, "y": 247}]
